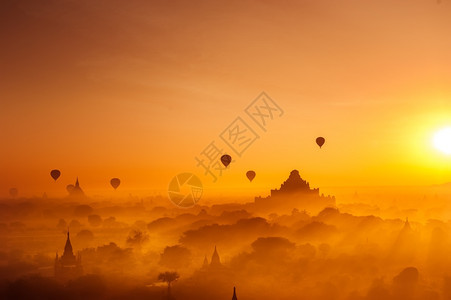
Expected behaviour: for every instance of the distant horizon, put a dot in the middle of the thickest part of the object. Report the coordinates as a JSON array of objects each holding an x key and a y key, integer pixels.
[{"x": 220, "y": 192}]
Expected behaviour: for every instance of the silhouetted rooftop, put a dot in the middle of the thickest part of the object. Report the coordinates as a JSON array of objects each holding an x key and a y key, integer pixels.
[{"x": 294, "y": 184}]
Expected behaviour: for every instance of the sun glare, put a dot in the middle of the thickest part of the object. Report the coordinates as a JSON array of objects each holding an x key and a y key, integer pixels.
[{"x": 442, "y": 140}]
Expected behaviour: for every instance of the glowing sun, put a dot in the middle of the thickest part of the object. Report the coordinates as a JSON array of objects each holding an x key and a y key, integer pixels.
[{"x": 442, "y": 140}]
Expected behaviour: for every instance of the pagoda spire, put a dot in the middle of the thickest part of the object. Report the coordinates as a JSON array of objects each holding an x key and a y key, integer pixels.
[
  {"x": 234, "y": 294},
  {"x": 215, "y": 261},
  {"x": 68, "y": 247},
  {"x": 407, "y": 224},
  {"x": 205, "y": 265}
]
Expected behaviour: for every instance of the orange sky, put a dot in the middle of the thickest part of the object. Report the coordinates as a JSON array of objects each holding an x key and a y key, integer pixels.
[{"x": 136, "y": 90}]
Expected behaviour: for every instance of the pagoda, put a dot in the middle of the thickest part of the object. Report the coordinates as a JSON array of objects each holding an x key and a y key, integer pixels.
[
  {"x": 294, "y": 192},
  {"x": 68, "y": 266}
]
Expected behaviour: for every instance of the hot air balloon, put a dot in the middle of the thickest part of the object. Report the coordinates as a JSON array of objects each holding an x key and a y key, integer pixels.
[
  {"x": 70, "y": 188},
  {"x": 320, "y": 141},
  {"x": 115, "y": 182},
  {"x": 55, "y": 174},
  {"x": 250, "y": 175},
  {"x": 13, "y": 192},
  {"x": 226, "y": 159}
]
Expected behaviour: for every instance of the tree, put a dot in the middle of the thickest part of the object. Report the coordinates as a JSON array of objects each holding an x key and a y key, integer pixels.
[
  {"x": 175, "y": 257},
  {"x": 168, "y": 277},
  {"x": 136, "y": 238},
  {"x": 95, "y": 220}
]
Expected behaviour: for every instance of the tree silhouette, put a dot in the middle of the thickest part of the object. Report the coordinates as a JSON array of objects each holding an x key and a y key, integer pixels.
[
  {"x": 168, "y": 277},
  {"x": 174, "y": 257}
]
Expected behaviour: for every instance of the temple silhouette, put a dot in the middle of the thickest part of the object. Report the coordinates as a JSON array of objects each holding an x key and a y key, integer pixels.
[
  {"x": 68, "y": 266},
  {"x": 295, "y": 192},
  {"x": 234, "y": 294},
  {"x": 215, "y": 262},
  {"x": 75, "y": 191},
  {"x": 406, "y": 244}
]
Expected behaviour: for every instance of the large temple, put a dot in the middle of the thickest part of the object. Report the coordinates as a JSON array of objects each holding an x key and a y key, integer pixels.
[
  {"x": 294, "y": 185},
  {"x": 295, "y": 192},
  {"x": 68, "y": 266}
]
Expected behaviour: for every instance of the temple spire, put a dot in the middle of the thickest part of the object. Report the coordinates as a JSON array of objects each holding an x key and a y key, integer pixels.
[
  {"x": 75, "y": 190},
  {"x": 407, "y": 224},
  {"x": 215, "y": 261},
  {"x": 68, "y": 247},
  {"x": 67, "y": 266},
  {"x": 234, "y": 294},
  {"x": 205, "y": 265}
]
